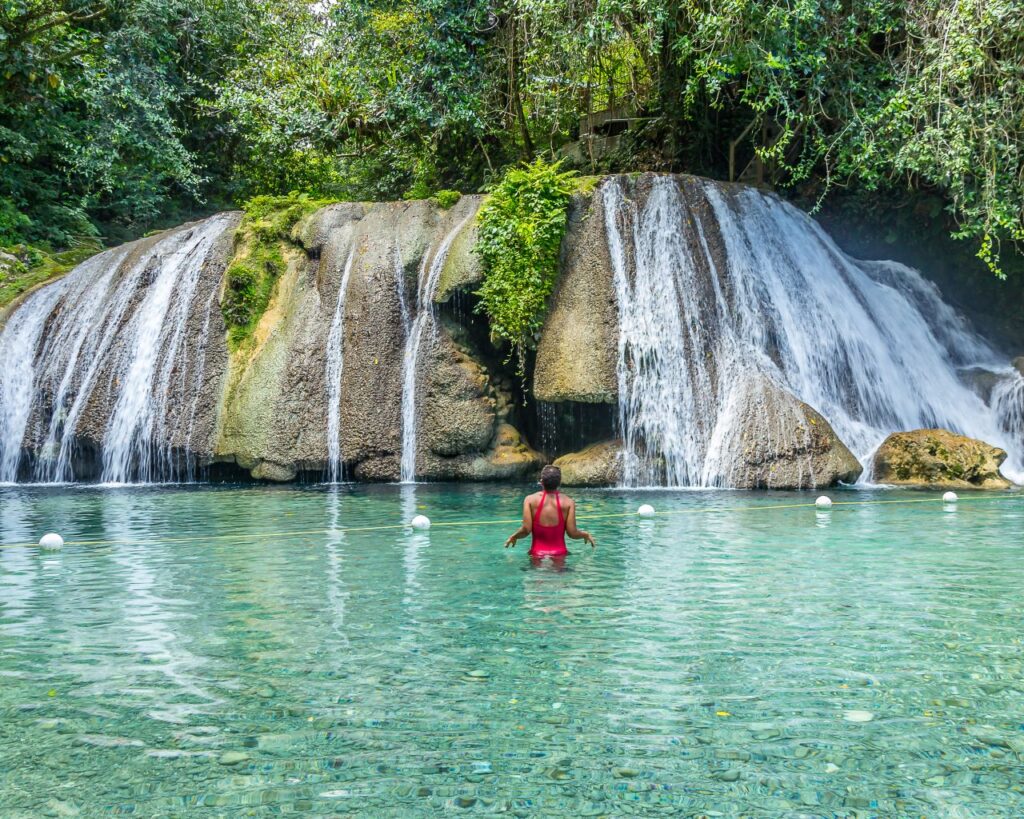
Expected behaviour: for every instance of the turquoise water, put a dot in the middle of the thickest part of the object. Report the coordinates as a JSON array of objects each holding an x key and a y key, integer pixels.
[{"x": 727, "y": 659}]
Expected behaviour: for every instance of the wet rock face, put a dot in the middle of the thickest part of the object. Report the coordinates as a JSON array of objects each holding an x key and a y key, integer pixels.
[
  {"x": 273, "y": 421},
  {"x": 939, "y": 459},
  {"x": 275, "y": 417},
  {"x": 598, "y": 465},
  {"x": 778, "y": 442},
  {"x": 464, "y": 431},
  {"x": 578, "y": 348}
]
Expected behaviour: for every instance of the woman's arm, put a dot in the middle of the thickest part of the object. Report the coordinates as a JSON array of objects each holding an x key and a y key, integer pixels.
[
  {"x": 572, "y": 531},
  {"x": 527, "y": 525}
]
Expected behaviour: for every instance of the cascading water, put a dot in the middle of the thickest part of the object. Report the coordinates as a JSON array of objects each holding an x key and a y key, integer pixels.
[
  {"x": 428, "y": 278},
  {"x": 870, "y": 345},
  {"x": 17, "y": 376},
  {"x": 111, "y": 335},
  {"x": 335, "y": 364},
  {"x": 136, "y": 441}
]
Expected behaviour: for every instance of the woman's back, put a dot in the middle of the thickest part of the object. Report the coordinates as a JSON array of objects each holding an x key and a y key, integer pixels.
[
  {"x": 549, "y": 508},
  {"x": 548, "y": 525}
]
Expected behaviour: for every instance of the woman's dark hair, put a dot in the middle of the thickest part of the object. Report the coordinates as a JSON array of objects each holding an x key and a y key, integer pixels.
[{"x": 550, "y": 478}]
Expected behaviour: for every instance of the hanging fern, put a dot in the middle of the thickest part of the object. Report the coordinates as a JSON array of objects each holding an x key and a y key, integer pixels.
[{"x": 521, "y": 225}]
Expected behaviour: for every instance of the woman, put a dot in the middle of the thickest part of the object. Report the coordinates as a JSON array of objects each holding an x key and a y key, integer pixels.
[{"x": 549, "y": 517}]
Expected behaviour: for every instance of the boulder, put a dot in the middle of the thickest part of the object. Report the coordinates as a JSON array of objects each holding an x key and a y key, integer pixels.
[
  {"x": 1018, "y": 364},
  {"x": 939, "y": 459},
  {"x": 981, "y": 380},
  {"x": 598, "y": 465},
  {"x": 578, "y": 348},
  {"x": 775, "y": 441}
]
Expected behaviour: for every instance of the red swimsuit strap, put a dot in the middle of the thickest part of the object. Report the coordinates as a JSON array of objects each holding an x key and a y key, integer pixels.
[{"x": 540, "y": 506}]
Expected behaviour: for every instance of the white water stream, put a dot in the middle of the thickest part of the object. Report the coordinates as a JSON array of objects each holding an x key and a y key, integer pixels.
[
  {"x": 428, "y": 278},
  {"x": 870, "y": 345},
  {"x": 335, "y": 366}
]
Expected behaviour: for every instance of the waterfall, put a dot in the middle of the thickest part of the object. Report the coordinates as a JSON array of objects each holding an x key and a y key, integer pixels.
[
  {"x": 870, "y": 345},
  {"x": 110, "y": 336},
  {"x": 335, "y": 364},
  {"x": 428, "y": 277},
  {"x": 17, "y": 376},
  {"x": 1008, "y": 402},
  {"x": 137, "y": 443}
]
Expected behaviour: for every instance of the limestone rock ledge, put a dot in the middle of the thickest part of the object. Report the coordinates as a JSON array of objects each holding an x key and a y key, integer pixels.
[
  {"x": 599, "y": 464},
  {"x": 578, "y": 348},
  {"x": 939, "y": 459}
]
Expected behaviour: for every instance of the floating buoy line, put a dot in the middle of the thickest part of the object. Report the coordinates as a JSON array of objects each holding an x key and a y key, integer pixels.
[{"x": 52, "y": 541}]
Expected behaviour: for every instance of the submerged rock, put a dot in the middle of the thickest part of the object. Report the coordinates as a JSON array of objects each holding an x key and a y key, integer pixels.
[
  {"x": 778, "y": 442},
  {"x": 939, "y": 459},
  {"x": 598, "y": 465}
]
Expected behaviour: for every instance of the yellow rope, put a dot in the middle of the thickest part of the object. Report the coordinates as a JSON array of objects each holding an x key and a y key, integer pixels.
[{"x": 500, "y": 521}]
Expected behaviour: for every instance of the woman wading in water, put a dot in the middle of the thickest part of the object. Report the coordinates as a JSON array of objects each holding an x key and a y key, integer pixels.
[{"x": 549, "y": 517}]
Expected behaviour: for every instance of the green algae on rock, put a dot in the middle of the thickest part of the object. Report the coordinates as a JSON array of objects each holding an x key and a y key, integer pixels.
[{"x": 939, "y": 459}]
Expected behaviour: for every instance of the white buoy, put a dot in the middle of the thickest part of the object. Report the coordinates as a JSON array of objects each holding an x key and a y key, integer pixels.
[
  {"x": 858, "y": 716},
  {"x": 421, "y": 522},
  {"x": 824, "y": 502},
  {"x": 51, "y": 540},
  {"x": 950, "y": 497},
  {"x": 646, "y": 511}
]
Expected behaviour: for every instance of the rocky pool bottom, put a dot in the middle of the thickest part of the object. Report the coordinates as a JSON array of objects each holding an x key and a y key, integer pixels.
[{"x": 231, "y": 651}]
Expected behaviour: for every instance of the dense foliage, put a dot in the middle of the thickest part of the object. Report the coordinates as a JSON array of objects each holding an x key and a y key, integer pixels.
[
  {"x": 521, "y": 225},
  {"x": 117, "y": 115}
]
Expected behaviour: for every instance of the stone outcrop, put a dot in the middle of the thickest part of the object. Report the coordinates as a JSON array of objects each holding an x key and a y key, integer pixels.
[
  {"x": 598, "y": 465},
  {"x": 1018, "y": 364},
  {"x": 779, "y": 442},
  {"x": 578, "y": 348},
  {"x": 274, "y": 421},
  {"x": 939, "y": 459},
  {"x": 462, "y": 267}
]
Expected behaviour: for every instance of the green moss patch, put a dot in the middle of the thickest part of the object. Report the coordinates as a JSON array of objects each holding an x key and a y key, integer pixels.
[
  {"x": 262, "y": 241},
  {"x": 22, "y": 267},
  {"x": 445, "y": 199}
]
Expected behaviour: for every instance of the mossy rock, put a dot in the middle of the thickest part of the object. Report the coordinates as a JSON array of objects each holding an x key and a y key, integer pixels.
[
  {"x": 24, "y": 267},
  {"x": 271, "y": 228},
  {"x": 939, "y": 459}
]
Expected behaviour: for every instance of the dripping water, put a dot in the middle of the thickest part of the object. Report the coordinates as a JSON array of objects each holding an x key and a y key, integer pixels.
[
  {"x": 335, "y": 365},
  {"x": 428, "y": 278}
]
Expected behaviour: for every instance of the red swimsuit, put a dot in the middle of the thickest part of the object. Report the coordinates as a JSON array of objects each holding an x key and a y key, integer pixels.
[{"x": 548, "y": 541}]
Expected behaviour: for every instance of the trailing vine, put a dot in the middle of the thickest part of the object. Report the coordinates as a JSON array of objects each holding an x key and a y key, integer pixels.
[{"x": 521, "y": 225}]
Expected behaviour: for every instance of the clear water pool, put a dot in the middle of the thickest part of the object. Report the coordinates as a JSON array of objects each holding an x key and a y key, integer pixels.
[{"x": 727, "y": 659}]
